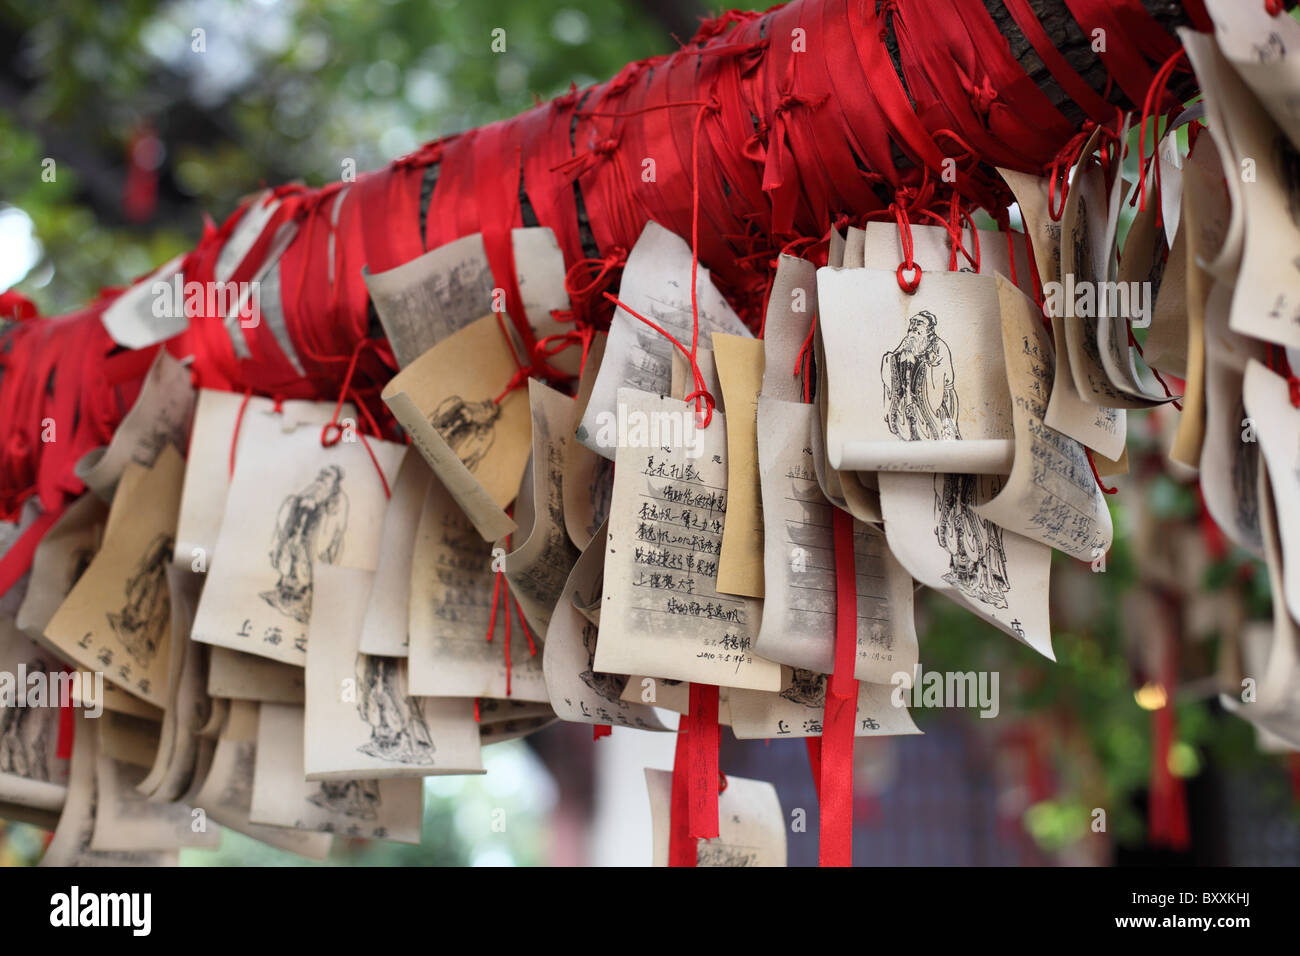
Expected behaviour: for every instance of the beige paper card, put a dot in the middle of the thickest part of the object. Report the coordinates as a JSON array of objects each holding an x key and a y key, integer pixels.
[
  {"x": 363, "y": 809},
  {"x": 70, "y": 845},
  {"x": 1269, "y": 656},
  {"x": 162, "y": 414},
  {"x": 798, "y": 625},
  {"x": 855, "y": 245},
  {"x": 1165, "y": 347},
  {"x": 127, "y": 821},
  {"x": 183, "y": 593},
  {"x": 447, "y": 401},
  {"x": 790, "y": 310},
  {"x": 453, "y": 589},
  {"x": 1266, "y": 303},
  {"x": 435, "y": 295},
  {"x": 1100, "y": 428},
  {"x": 1051, "y": 495},
  {"x": 578, "y": 692},
  {"x": 674, "y": 695},
  {"x": 1263, "y": 50},
  {"x": 751, "y": 826},
  {"x": 543, "y": 555},
  {"x": 61, "y": 558},
  {"x": 31, "y": 772},
  {"x": 1229, "y": 461},
  {"x": 662, "y": 611},
  {"x": 294, "y": 505},
  {"x": 1275, "y": 422},
  {"x": 1207, "y": 223},
  {"x": 1084, "y": 256},
  {"x": 190, "y": 707},
  {"x": 657, "y": 284},
  {"x": 1000, "y": 576},
  {"x": 798, "y": 709},
  {"x": 835, "y": 249},
  {"x": 117, "y": 618},
  {"x": 740, "y": 373},
  {"x": 237, "y": 676},
  {"x": 384, "y": 629},
  {"x": 588, "y": 477},
  {"x": 1033, "y": 197},
  {"x": 131, "y": 739},
  {"x": 1213, "y": 73},
  {"x": 914, "y": 381},
  {"x": 207, "y": 466},
  {"x": 361, "y": 720},
  {"x": 226, "y": 794}
]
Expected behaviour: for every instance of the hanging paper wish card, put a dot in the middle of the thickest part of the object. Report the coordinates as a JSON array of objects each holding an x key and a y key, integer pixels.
[
  {"x": 359, "y": 809},
  {"x": 117, "y": 618},
  {"x": 935, "y": 532},
  {"x": 162, "y": 413},
  {"x": 657, "y": 284},
  {"x": 914, "y": 381},
  {"x": 1276, "y": 423},
  {"x": 798, "y": 622},
  {"x": 384, "y": 630},
  {"x": 294, "y": 505},
  {"x": 437, "y": 294},
  {"x": 361, "y": 718},
  {"x": 543, "y": 555},
  {"x": 471, "y": 429},
  {"x": 457, "y": 579},
  {"x": 1051, "y": 494},
  {"x": 578, "y": 692},
  {"x": 751, "y": 826},
  {"x": 223, "y": 423},
  {"x": 662, "y": 612},
  {"x": 588, "y": 477}
]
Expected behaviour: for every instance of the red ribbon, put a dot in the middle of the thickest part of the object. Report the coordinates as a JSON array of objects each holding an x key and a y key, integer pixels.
[{"x": 836, "y": 757}]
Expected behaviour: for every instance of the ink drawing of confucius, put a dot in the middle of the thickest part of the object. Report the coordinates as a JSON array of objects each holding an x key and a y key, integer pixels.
[
  {"x": 309, "y": 526},
  {"x": 920, "y": 404},
  {"x": 468, "y": 428},
  {"x": 145, "y": 616},
  {"x": 920, "y": 389}
]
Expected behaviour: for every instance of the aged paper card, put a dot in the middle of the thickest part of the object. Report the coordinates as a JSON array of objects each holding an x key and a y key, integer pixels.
[
  {"x": 294, "y": 506},
  {"x": 362, "y": 721},
  {"x": 662, "y": 612},
  {"x": 384, "y": 629},
  {"x": 916, "y": 382},
  {"x": 117, "y": 617},
  {"x": 935, "y": 532},
  {"x": 798, "y": 626},
  {"x": 657, "y": 284},
  {"x": 740, "y": 373},
  {"x": 453, "y": 402},
  {"x": 364, "y": 809},
  {"x": 455, "y": 583},
  {"x": 1051, "y": 494},
  {"x": 751, "y": 826}
]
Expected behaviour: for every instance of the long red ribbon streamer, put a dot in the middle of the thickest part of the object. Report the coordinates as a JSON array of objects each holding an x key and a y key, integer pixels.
[{"x": 836, "y": 771}]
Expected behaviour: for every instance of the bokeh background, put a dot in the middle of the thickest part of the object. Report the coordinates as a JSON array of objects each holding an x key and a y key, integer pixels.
[{"x": 148, "y": 135}]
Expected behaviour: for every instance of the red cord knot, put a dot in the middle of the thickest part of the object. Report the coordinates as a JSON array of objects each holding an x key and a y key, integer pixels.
[
  {"x": 606, "y": 147},
  {"x": 982, "y": 95},
  {"x": 1294, "y": 385},
  {"x": 1273, "y": 7},
  {"x": 14, "y": 305}
]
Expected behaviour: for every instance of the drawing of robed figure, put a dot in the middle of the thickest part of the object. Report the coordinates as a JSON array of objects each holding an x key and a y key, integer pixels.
[
  {"x": 920, "y": 389},
  {"x": 309, "y": 525}
]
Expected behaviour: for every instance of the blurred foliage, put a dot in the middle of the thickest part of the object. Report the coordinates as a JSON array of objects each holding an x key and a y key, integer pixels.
[{"x": 286, "y": 89}]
